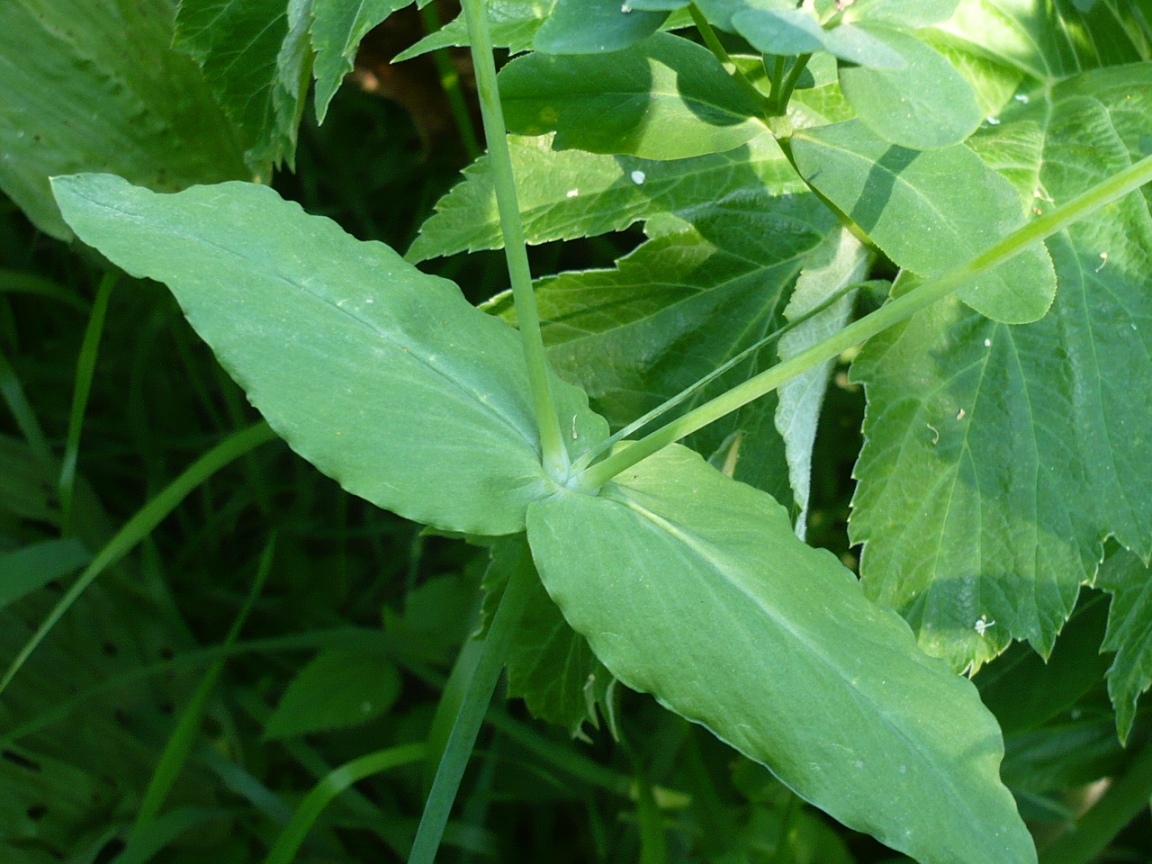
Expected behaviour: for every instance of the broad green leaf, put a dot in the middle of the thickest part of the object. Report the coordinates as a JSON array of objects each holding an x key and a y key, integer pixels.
[
  {"x": 572, "y": 193},
  {"x": 384, "y": 378},
  {"x": 337, "y": 28},
  {"x": 930, "y": 211},
  {"x": 665, "y": 98},
  {"x": 238, "y": 44},
  {"x": 994, "y": 83},
  {"x": 31, "y": 568},
  {"x": 694, "y": 588},
  {"x": 593, "y": 26},
  {"x": 922, "y": 105},
  {"x": 95, "y": 85},
  {"x": 796, "y": 31},
  {"x": 996, "y": 458},
  {"x": 336, "y": 689},
  {"x": 901, "y": 13},
  {"x": 840, "y": 261},
  {"x": 1129, "y": 635}
]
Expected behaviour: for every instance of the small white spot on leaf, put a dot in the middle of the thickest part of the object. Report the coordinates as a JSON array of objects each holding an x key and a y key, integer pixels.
[
  {"x": 572, "y": 193},
  {"x": 639, "y": 177}
]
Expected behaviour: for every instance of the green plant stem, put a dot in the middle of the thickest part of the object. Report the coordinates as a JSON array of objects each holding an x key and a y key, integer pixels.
[
  {"x": 1116, "y": 808},
  {"x": 554, "y": 454},
  {"x": 470, "y": 717},
  {"x": 450, "y": 83},
  {"x": 734, "y": 71},
  {"x": 85, "y": 370},
  {"x": 893, "y": 312},
  {"x": 790, "y": 81}
]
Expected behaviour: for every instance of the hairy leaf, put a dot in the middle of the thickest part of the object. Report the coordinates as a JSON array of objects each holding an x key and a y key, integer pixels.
[
  {"x": 665, "y": 98},
  {"x": 384, "y": 378},
  {"x": 337, "y": 28},
  {"x": 593, "y": 26},
  {"x": 572, "y": 193},
  {"x": 930, "y": 211},
  {"x": 997, "y": 457},
  {"x": 95, "y": 85},
  {"x": 809, "y": 678},
  {"x": 1129, "y": 635}
]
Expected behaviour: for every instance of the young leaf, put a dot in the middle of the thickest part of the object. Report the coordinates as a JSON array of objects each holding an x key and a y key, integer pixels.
[
  {"x": 964, "y": 521},
  {"x": 665, "y": 98},
  {"x": 121, "y": 99},
  {"x": 841, "y": 261},
  {"x": 925, "y": 103},
  {"x": 337, "y": 28},
  {"x": 384, "y": 378},
  {"x": 694, "y": 588},
  {"x": 594, "y": 26},
  {"x": 335, "y": 690},
  {"x": 930, "y": 211},
  {"x": 572, "y": 193},
  {"x": 1129, "y": 634}
]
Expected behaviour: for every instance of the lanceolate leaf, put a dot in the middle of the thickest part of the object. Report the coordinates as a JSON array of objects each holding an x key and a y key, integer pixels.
[
  {"x": 573, "y": 193},
  {"x": 665, "y": 98},
  {"x": 930, "y": 211},
  {"x": 1129, "y": 582},
  {"x": 997, "y": 457},
  {"x": 808, "y": 677},
  {"x": 95, "y": 85},
  {"x": 593, "y": 26},
  {"x": 384, "y": 378}
]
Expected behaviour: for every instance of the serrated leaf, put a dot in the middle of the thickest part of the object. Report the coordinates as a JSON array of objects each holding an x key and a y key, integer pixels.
[
  {"x": 665, "y": 98},
  {"x": 930, "y": 211},
  {"x": 809, "y": 678},
  {"x": 1129, "y": 634},
  {"x": 796, "y": 31},
  {"x": 997, "y": 457},
  {"x": 923, "y": 104},
  {"x": 238, "y": 45},
  {"x": 95, "y": 85},
  {"x": 384, "y": 378},
  {"x": 901, "y": 13},
  {"x": 336, "y": 689},
  {"x": 572, "y": 193},
  {"x": 841, "y": 261},
  {"x": 337, "y": 28},
  {"x": 593, "y": 26}
]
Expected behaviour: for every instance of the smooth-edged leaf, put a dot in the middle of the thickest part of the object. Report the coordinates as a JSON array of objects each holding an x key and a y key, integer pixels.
[
  {"x": 1129, "y": 635},
  {"x": 996, "y": 457},
  {"x": 797, "y": 31},
  {"x": 238, "y": 45},
  {"x": 572, "y": 193},
  {"x": 902, "y": 13},
  {"x": 694, "y": 588},
  {"x": 930, "y": 211},
  {"x": 924, "y": 104},
  {"x": 593, "y": 26},
  {"x": 336, "y": 689},
  {"x": 386, "y": 379},
  {"x": 841, "y": 261},
  {"x": 337, "y": 28},
  {"x": 95, "y": 85},
  {"x": 31, "y": 568},
  {"x": 664, "y": 98}
]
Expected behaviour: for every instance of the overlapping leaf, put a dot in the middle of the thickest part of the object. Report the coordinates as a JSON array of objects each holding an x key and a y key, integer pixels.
[
  {"x": 810, "y": 678},
  {"x": 337, "y": 28},
  {"x": 592, "y": 26},
  {"x": 997, "y": 457},
  {"x": 1129, "y": 634},
  {"x": 95, "y": 85},
  {"x": 384, "y": 378},
  {"x": 573, "y": 193}
]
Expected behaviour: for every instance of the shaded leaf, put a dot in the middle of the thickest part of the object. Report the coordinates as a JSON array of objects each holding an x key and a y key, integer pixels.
[
  {"x": 592, "y": 26},
  {"x": 810, "y": 678},
  {"x": 572, "y": 193},
  {"x": 1129, "y": 634},
  {"x": 384, "y": 378},
  {"x": 797, "y": 31},
  {"x": 901, "y": 13},
  {"x": 930, "y": 211},
  {"x": 336, "y": 689},
  {"x": 31, "y": 568},
  {"x": 95, "y": 85},
  {"x": 665, "y": 98},
  {"x": 923, "y": 104}
]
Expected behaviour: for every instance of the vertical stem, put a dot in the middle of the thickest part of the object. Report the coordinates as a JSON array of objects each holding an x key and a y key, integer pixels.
[
  {"x": 450, "y": 83},
  {"x": 554, "y": 454}
]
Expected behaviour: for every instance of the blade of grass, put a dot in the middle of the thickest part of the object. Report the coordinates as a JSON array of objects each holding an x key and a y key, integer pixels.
[
  {"x": 141, "y": 525},
  {"x": 85, "y": 370},
  {"x": 25, "y": 417},
  {"x": 15, "y": 282},
  {"x": 653, "y": 843},
  {"x": 188, "y": 727},
  {"x": 290, "y": 839},
  {"x": 470, "y": 717},
  {"x": 450, "y": 83},
  {"x": 164, "y": 830}
]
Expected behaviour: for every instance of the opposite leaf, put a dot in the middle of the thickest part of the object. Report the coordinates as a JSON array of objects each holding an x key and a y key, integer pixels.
[
  {"x": 665, "y": 98},
  {"x": 385, "y": 378},
  {"x": 694, "y": 588}
]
